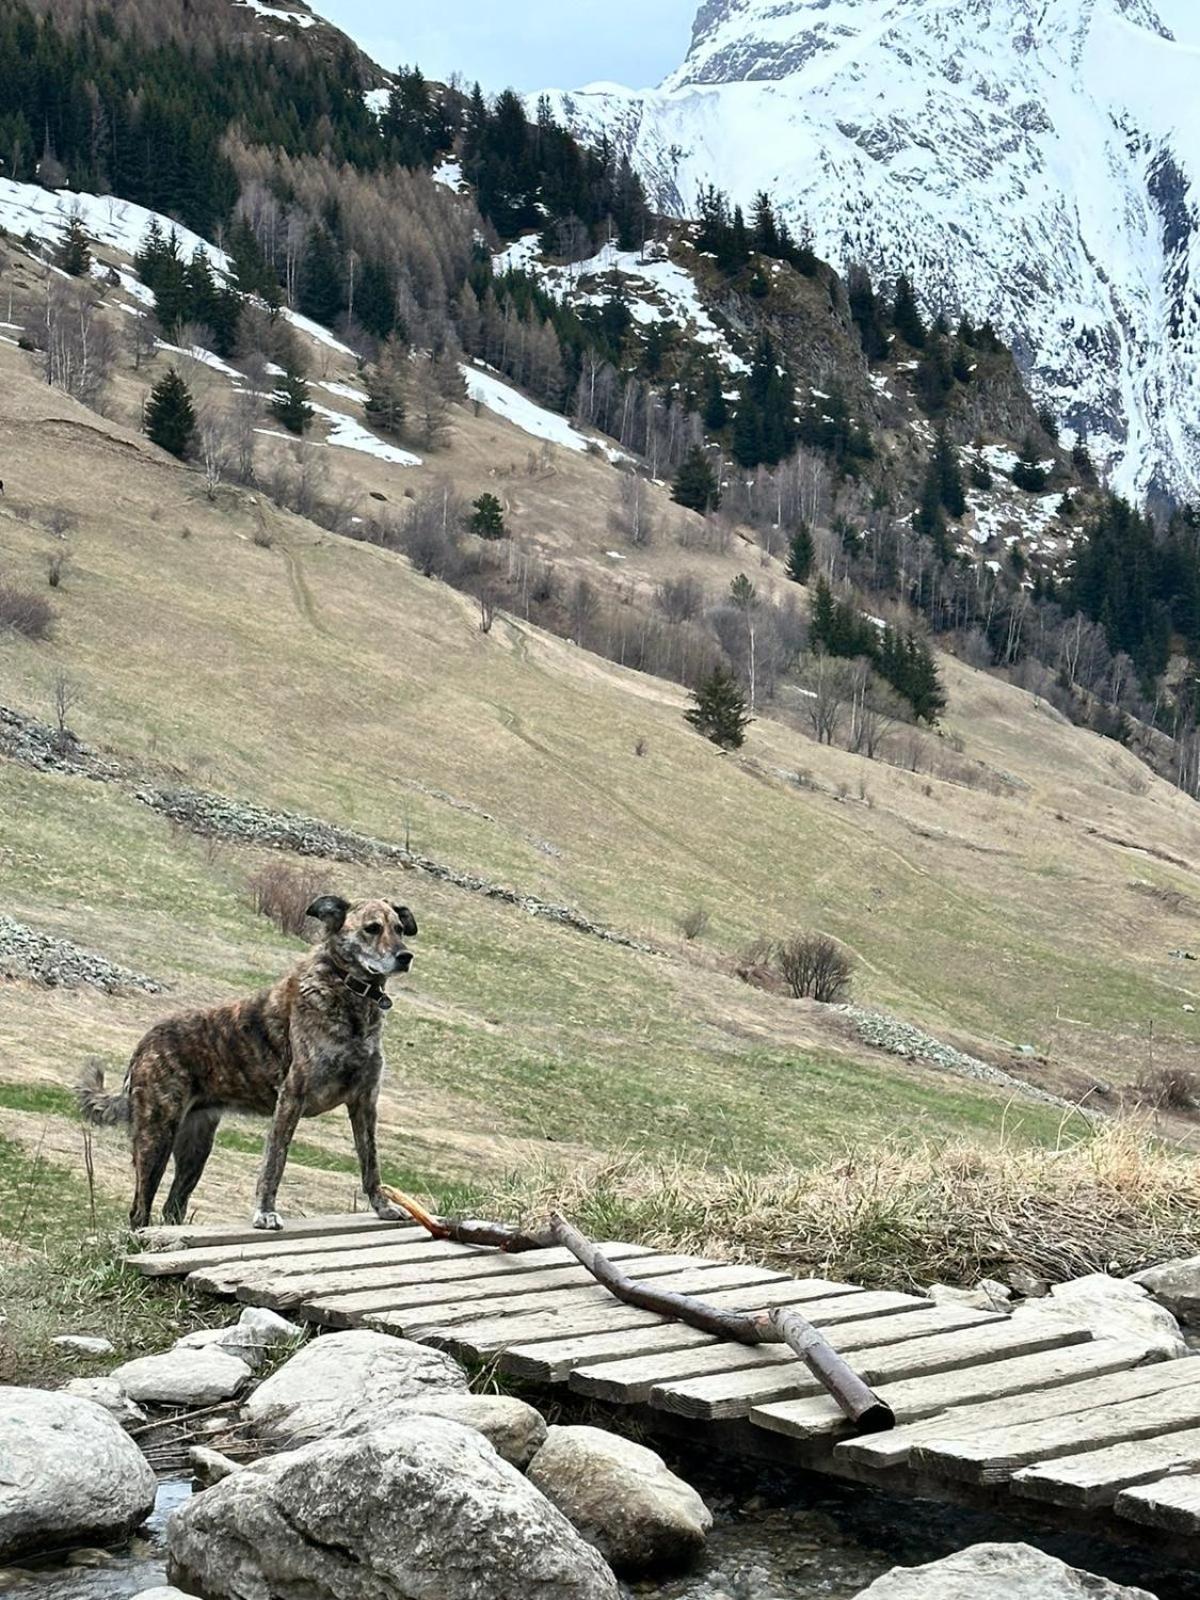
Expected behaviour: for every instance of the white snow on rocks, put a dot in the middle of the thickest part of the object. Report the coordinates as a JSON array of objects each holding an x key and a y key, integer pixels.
[{"x": 496, "y": 395}]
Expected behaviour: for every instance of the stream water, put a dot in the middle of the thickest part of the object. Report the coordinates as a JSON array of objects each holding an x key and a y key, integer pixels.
[{"x": 778, "y": 1536}]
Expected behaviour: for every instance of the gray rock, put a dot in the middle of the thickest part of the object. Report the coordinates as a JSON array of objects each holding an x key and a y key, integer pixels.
[
  {"x": 83, "y": 1344},
  {"x": 514, "y": 1430},
  {"x": 163, "y": 1592},
  {"x": 344, "y": 1378},
  {"x": 1016, "y": 1571},
  {"x": 1175, "y": 1285},
  {"x": 988, "y": 1295},
  {"x": 109, "y": 1394},
  {"x": 68, "y": 1473},
  {"x": 210, "y": 1466},
  {"x": 1113, "y": 1308},
  {"x": 249, "y": 1339},
  {"x": 183, "y": 1377},
  {"x": 420, "y": 1508},
  {"x": 623, "y": 1499}
]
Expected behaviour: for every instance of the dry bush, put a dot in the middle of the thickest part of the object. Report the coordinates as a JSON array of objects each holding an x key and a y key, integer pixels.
[
  {"x": 1168, "y": 1088},
  {"x": 894, "y": 1215},
  {"x": 814, "y": 967},
  {"x": 693, "y": 924},
  {"x": 25, "y": 612},
  {"x": 284, "y": 893},
  {"x": 756, "y": 965}
]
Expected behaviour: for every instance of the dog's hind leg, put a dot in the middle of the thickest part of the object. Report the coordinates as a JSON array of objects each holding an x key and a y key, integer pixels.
[
  {"x": 151, "y": 1152},
  {"x": 193, "y": 1146}
]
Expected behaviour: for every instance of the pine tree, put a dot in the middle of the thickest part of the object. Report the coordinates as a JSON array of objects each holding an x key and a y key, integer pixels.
[
  {"x": 1029, "y": 473},
  {"x": 487, "y": 519},
  {"x": 170, "y": 417},
  {"x": 695, "y": 484},
  {"x": 950, "y": 484},
  {"x": 74, "y": 255},
  {"x": 747, "y": 433},
  {"x": 319, "y": 295},
  {"x": 766, "y": 230},
  {"x": 867, "y": 313},
  {"x": 929, "y": 517},
  {"x": 720, "y": 710},
  {"x": 801, "y": 555},
  {"x": 715, "y": 412},
  {"x": 906, "y": 318},
  {"x": 386, "y": 388},
  {"x": 290, "y": 405}
]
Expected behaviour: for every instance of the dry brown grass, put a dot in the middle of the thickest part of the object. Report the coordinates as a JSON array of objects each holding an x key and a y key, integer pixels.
[
  {"x": 283, "y": 893},
  {"x": 1113, "y": 1201},
  {"x": 25, "y": 612}
]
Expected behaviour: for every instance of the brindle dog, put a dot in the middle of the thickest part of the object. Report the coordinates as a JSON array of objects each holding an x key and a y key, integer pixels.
[{"x": 308, "y": 1044}]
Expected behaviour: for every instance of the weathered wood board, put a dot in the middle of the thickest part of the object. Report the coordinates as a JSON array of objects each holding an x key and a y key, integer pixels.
[
  {"x": 1172, "y": 1504},
  {"x": 1099, "y": 1476}
]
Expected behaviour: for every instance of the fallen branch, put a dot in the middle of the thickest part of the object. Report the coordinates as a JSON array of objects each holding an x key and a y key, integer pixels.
[
  {"x": 782, "y": 1326},
  {"x": 497, "y": 1235}
]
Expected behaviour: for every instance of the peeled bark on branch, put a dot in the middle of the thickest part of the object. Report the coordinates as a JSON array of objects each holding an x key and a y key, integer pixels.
[{"x": 496, "y": 1235}]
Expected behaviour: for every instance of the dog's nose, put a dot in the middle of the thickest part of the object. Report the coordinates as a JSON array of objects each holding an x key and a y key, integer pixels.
[{"x": 404, "y": 960}]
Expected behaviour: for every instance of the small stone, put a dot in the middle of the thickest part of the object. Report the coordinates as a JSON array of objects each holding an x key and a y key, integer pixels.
[
  {"x": 1175, "y": 1285},
  {"x": 163, "y": 1592},
  {"x": 986, "y": 1296},
  {"x": 1016, "y": 1571},
  {"x": 1028, "y": 1284},
  {"x": 183, "y": 1377},
  {"x": 209, "y": 1466},
  {"x": 90, "y": 1558},
  {"x": 109, "y": 1394},
  {"x": 83, "y": 1344}
]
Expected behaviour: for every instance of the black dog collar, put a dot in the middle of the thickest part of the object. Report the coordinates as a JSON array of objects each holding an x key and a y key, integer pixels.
[{"x": 368, "y": 989}]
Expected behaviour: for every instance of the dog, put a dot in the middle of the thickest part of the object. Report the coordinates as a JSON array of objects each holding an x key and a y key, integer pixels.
[{"x": 309, "y": 1043}]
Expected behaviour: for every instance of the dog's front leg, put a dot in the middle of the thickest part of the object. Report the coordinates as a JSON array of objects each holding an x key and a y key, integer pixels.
[
  {"x": 363, "y": 1111},
  {"x": 288, "y": 1110}
]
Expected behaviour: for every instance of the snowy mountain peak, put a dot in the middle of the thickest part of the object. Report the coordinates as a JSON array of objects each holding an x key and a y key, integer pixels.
[{"x": 1032, "y": 161}]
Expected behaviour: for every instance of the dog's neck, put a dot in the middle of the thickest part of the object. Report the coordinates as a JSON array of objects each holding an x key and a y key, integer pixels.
[{"x": 362, "y": 988}]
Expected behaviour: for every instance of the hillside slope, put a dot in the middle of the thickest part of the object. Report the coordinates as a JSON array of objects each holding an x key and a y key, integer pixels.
[{"x": 302, "y": 671}]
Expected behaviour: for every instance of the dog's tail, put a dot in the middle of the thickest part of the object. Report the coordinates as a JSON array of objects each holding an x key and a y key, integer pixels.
[{"x": 100, "y": 1109}]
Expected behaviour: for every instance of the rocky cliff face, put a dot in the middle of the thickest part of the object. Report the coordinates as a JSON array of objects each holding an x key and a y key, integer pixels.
[{"x": 1034, "y": 163}]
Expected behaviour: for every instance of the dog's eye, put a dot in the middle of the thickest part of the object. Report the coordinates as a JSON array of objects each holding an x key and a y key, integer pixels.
[{"x": 374, "y": 929}]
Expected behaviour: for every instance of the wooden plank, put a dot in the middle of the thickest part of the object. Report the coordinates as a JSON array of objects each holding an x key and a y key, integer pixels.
[
  {"x": 913, "y": 1399},
  {"x": 566, "y": 1303},
  {"x": 629, "y": 1382},
  {"x": 192, "y": 1236},
  {"x": 1098, "y": 1477},
  {"x": 272, "y": 1247},
  {"x": 553, "y": 1360},
  {"x": 488, "y": 1339},
  {"x": 229, "y": 1277},
  {"x": 384, "y": 1286},
  {"x": 331, "y": 1264},
  {"x": 345, "y": 1311},
  {"x": 1172, "y": 1504},
  {"x": 993, "y": 1454},
  {"x": 892, "y": 1449},
  {"x": 732, "y": 1394}
]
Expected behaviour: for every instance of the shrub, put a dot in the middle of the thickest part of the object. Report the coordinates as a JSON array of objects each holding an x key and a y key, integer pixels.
[
  {"x": 25, "y": 612},
  {"x": 283, "y": 894},
  {"x": 814, "y": 967},
  {"x": 1168, "y": 1088},
  {"x": 693, "y": 923}
]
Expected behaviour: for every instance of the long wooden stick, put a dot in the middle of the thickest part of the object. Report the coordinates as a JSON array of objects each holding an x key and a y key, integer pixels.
[{"x": 781, "y": 1326}]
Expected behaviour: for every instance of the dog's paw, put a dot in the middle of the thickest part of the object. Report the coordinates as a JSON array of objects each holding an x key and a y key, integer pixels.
[
  {"x": 387, "y": 1212},
  {"x": 270, "y": 1220}
]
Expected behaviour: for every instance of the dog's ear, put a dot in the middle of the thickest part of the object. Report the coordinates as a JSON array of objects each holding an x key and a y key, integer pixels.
[
  {"x": 330, "y": 909},
  {"x": 408, "y": 923}
]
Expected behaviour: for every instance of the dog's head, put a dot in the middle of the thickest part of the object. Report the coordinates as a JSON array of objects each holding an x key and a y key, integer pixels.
[{"x": 368, "y": 937}]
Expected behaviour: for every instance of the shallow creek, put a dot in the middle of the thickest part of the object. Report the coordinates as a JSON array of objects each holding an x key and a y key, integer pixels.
[{"x": 778, "y": 1536}]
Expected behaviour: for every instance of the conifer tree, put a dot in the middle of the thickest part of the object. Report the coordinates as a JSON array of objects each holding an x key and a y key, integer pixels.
[
  {"x": 867, "y": 313},
  {"x": 906, "y": 318},
  {"x": 1029, "y": 473},
  {"x": 950, "y": 484},
  {"x": 319, "y": 295},
  {"x": 170, "y": 415},
  {"x": 715, "y": 412},
  {"x": 386, "y": 385},
  {"x": 290, "y": 405},
  {"x": 801, "y": 555},
  {"x": 719, "y": 712},
  {"x": 695, "y": 484},
  {"x": 487, "y": 518},
  {"x": 74, "y": 255}
]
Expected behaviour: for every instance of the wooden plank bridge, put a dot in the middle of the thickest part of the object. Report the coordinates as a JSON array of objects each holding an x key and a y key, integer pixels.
[{"x": 1037, "y": 1417}]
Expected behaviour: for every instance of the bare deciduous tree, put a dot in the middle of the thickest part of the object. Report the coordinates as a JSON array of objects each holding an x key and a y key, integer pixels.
[
  {"x": 633, "y": 516},
  {"x": 814, "y": 967},
  {"x": 77, "y": 345},
  {"x": 65, "y": 693}
]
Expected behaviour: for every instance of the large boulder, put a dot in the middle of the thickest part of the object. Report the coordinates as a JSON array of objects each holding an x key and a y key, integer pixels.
[
  {"x": 183, "y": 1377},
  {"x": 623, "y": 1498},
  {"x": 69, "y": 1473},
  {"x": 343, "y": 1379},
  {"x": 1015, "y": 1571},
  {"x": 1175, "y": 1285},
  {"x": 1113, "y": 1308},
  {"x": 418, "y": 1509},
  {"x": 514, "y": 1430}
]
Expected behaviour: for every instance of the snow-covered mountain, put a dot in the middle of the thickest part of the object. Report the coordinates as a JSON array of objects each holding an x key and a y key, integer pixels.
[{"x": 1035, "y": 161}]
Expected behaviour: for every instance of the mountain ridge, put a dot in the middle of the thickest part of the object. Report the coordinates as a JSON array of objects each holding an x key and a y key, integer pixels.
[{"x": 963, "y": 148}]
